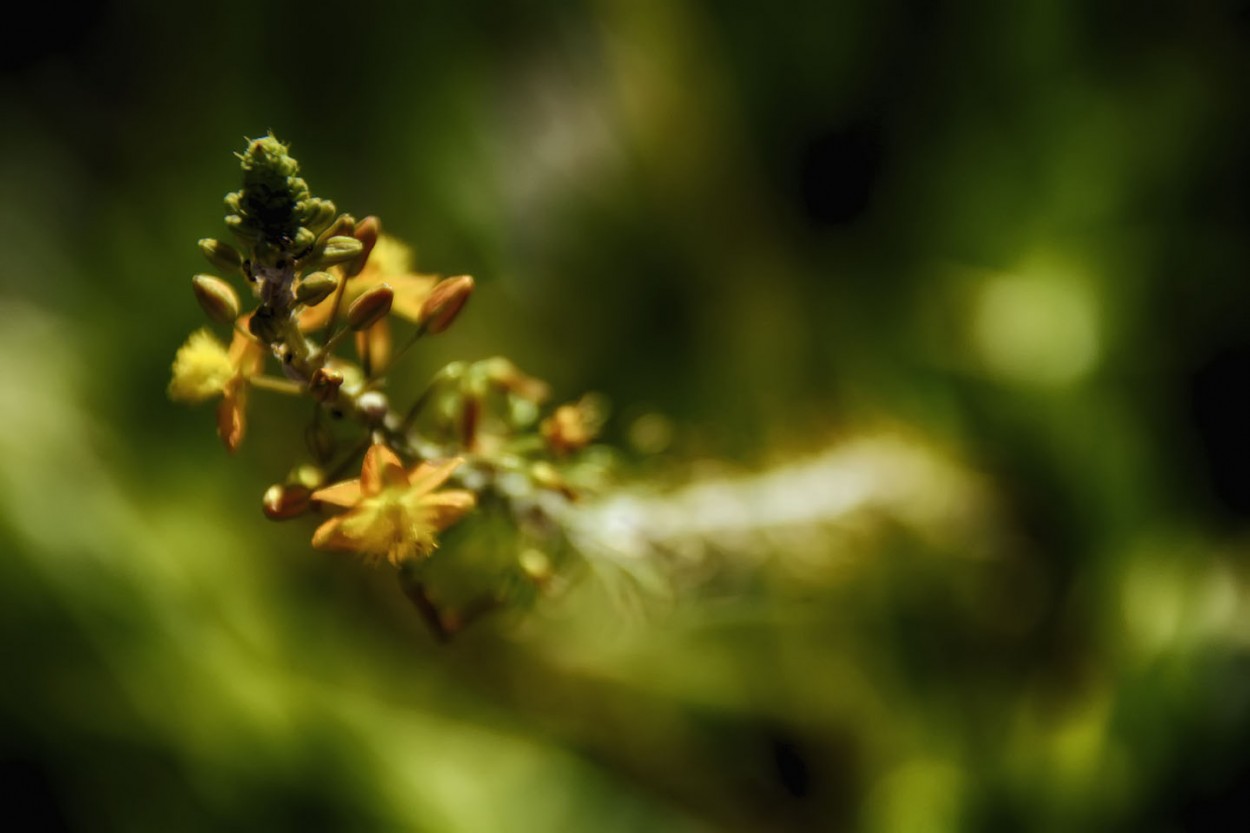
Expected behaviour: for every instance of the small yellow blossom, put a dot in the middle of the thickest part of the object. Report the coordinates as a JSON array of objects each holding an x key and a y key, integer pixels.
[
  {"x": 204, "y": 368},
  {"x": 389, "y": 262},
  {"x": 201, "y": 368},
  {"x": 391, "y": 513},
  {"x": 572, "y": 427}
]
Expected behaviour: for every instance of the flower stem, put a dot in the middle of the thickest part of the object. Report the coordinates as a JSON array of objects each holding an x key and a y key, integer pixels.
[
  {"x": 415, "y": 591},
  {"x": 277, "y": 385}
]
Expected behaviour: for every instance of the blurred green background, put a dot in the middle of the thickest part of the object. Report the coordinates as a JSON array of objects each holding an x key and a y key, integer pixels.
[{"x": 1012, "y": 233}]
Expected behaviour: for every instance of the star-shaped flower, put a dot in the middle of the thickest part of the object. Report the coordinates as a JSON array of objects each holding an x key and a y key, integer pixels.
[
  {"x": 390, "y": 262},
  {"x": 204, "y": 368},
  {"x": 392, "y": 513}
]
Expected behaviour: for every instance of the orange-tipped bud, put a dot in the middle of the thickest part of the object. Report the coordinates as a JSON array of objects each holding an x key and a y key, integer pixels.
[
  {"x": 445, "y": 302},
  {"x": 371, "y": 307},
  {"x": 217, "y": 298},
  {"x": 367, "y": 232},
  {"x": 285, "y": 500}
]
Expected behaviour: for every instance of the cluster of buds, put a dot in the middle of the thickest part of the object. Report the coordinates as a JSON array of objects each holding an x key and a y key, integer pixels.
[{"x": 473, "y": 440}]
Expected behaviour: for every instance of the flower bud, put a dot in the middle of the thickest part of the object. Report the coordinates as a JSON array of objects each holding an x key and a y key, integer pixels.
[
  {"x": 304, "y": 239},
  {"x": 315, "y": 288},
  {"x": 535, "y": 565},
  {"x": 445, "y": 302},
  {"x": 317, "y": 214},
  {"x": 247, "y": 232},
  {"x": 338, "y": 249},
  {"x": 216, "y": 297},
  {"x": 373, "y": 405},
  {"x": 325, "y": 384},
  {"x": 371, "y": 307},
  {"x": 546, "y": 476},
  {"x": 307, "y": 475},
  {"x": 285, "y": 500},
  {"x": 344, "y": 224},
  {"x": 367, "y": 231},
  {"x": 222, "y": 255}
]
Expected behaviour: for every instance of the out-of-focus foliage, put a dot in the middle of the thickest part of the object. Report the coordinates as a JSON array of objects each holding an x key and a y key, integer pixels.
[{"x": 926, "y": 330}]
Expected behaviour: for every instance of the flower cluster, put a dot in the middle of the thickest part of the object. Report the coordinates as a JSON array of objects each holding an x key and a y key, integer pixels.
[{"x": 321, "y": 281}]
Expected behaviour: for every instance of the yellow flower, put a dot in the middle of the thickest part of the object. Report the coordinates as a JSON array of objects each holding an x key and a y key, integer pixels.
[
  {"x": 390, "y": 262},
  {"x": 201, "y": 368},
  {"x": 204, "y": 368},
  {"x": 572, "y": 427},
  {"x": 391, "y": 513}
]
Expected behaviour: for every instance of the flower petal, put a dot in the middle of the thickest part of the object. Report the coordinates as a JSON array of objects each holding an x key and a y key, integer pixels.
[
  {"x": 381, "y": 468},
  {"x": 346, "y": 493},
  {"x": 247, "y": 356},
  {"x": 445, "y": 508},
  {"x": 230, "y": 420},
  {"x": 411, "y": 292},
  {"x": 329, "y": 536},
  {"x": 429, "y": 476}
]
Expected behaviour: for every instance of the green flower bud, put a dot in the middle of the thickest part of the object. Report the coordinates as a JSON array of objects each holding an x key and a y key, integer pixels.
[
  {"x": 307, "y": 475},
  {"x": 343, "y": 226},
  {"x": 536, "y": 566},
  {"x": 247, "y": 233},
  {"x": 304, "y": 240},
  {"x": 336, "y": 250},
  {"x": 316, "y": 214},
  {"x": 222, "y": 255},
  {"x": 271, "y": 191},
  {"x": 217, "y": 298},
  {"x": 371, "y": 307},
  {"x": 315, "y": 288}
]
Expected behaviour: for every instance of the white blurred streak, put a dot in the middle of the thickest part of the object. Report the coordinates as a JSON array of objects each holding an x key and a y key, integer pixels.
[{"x": 787, "y": 511}]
